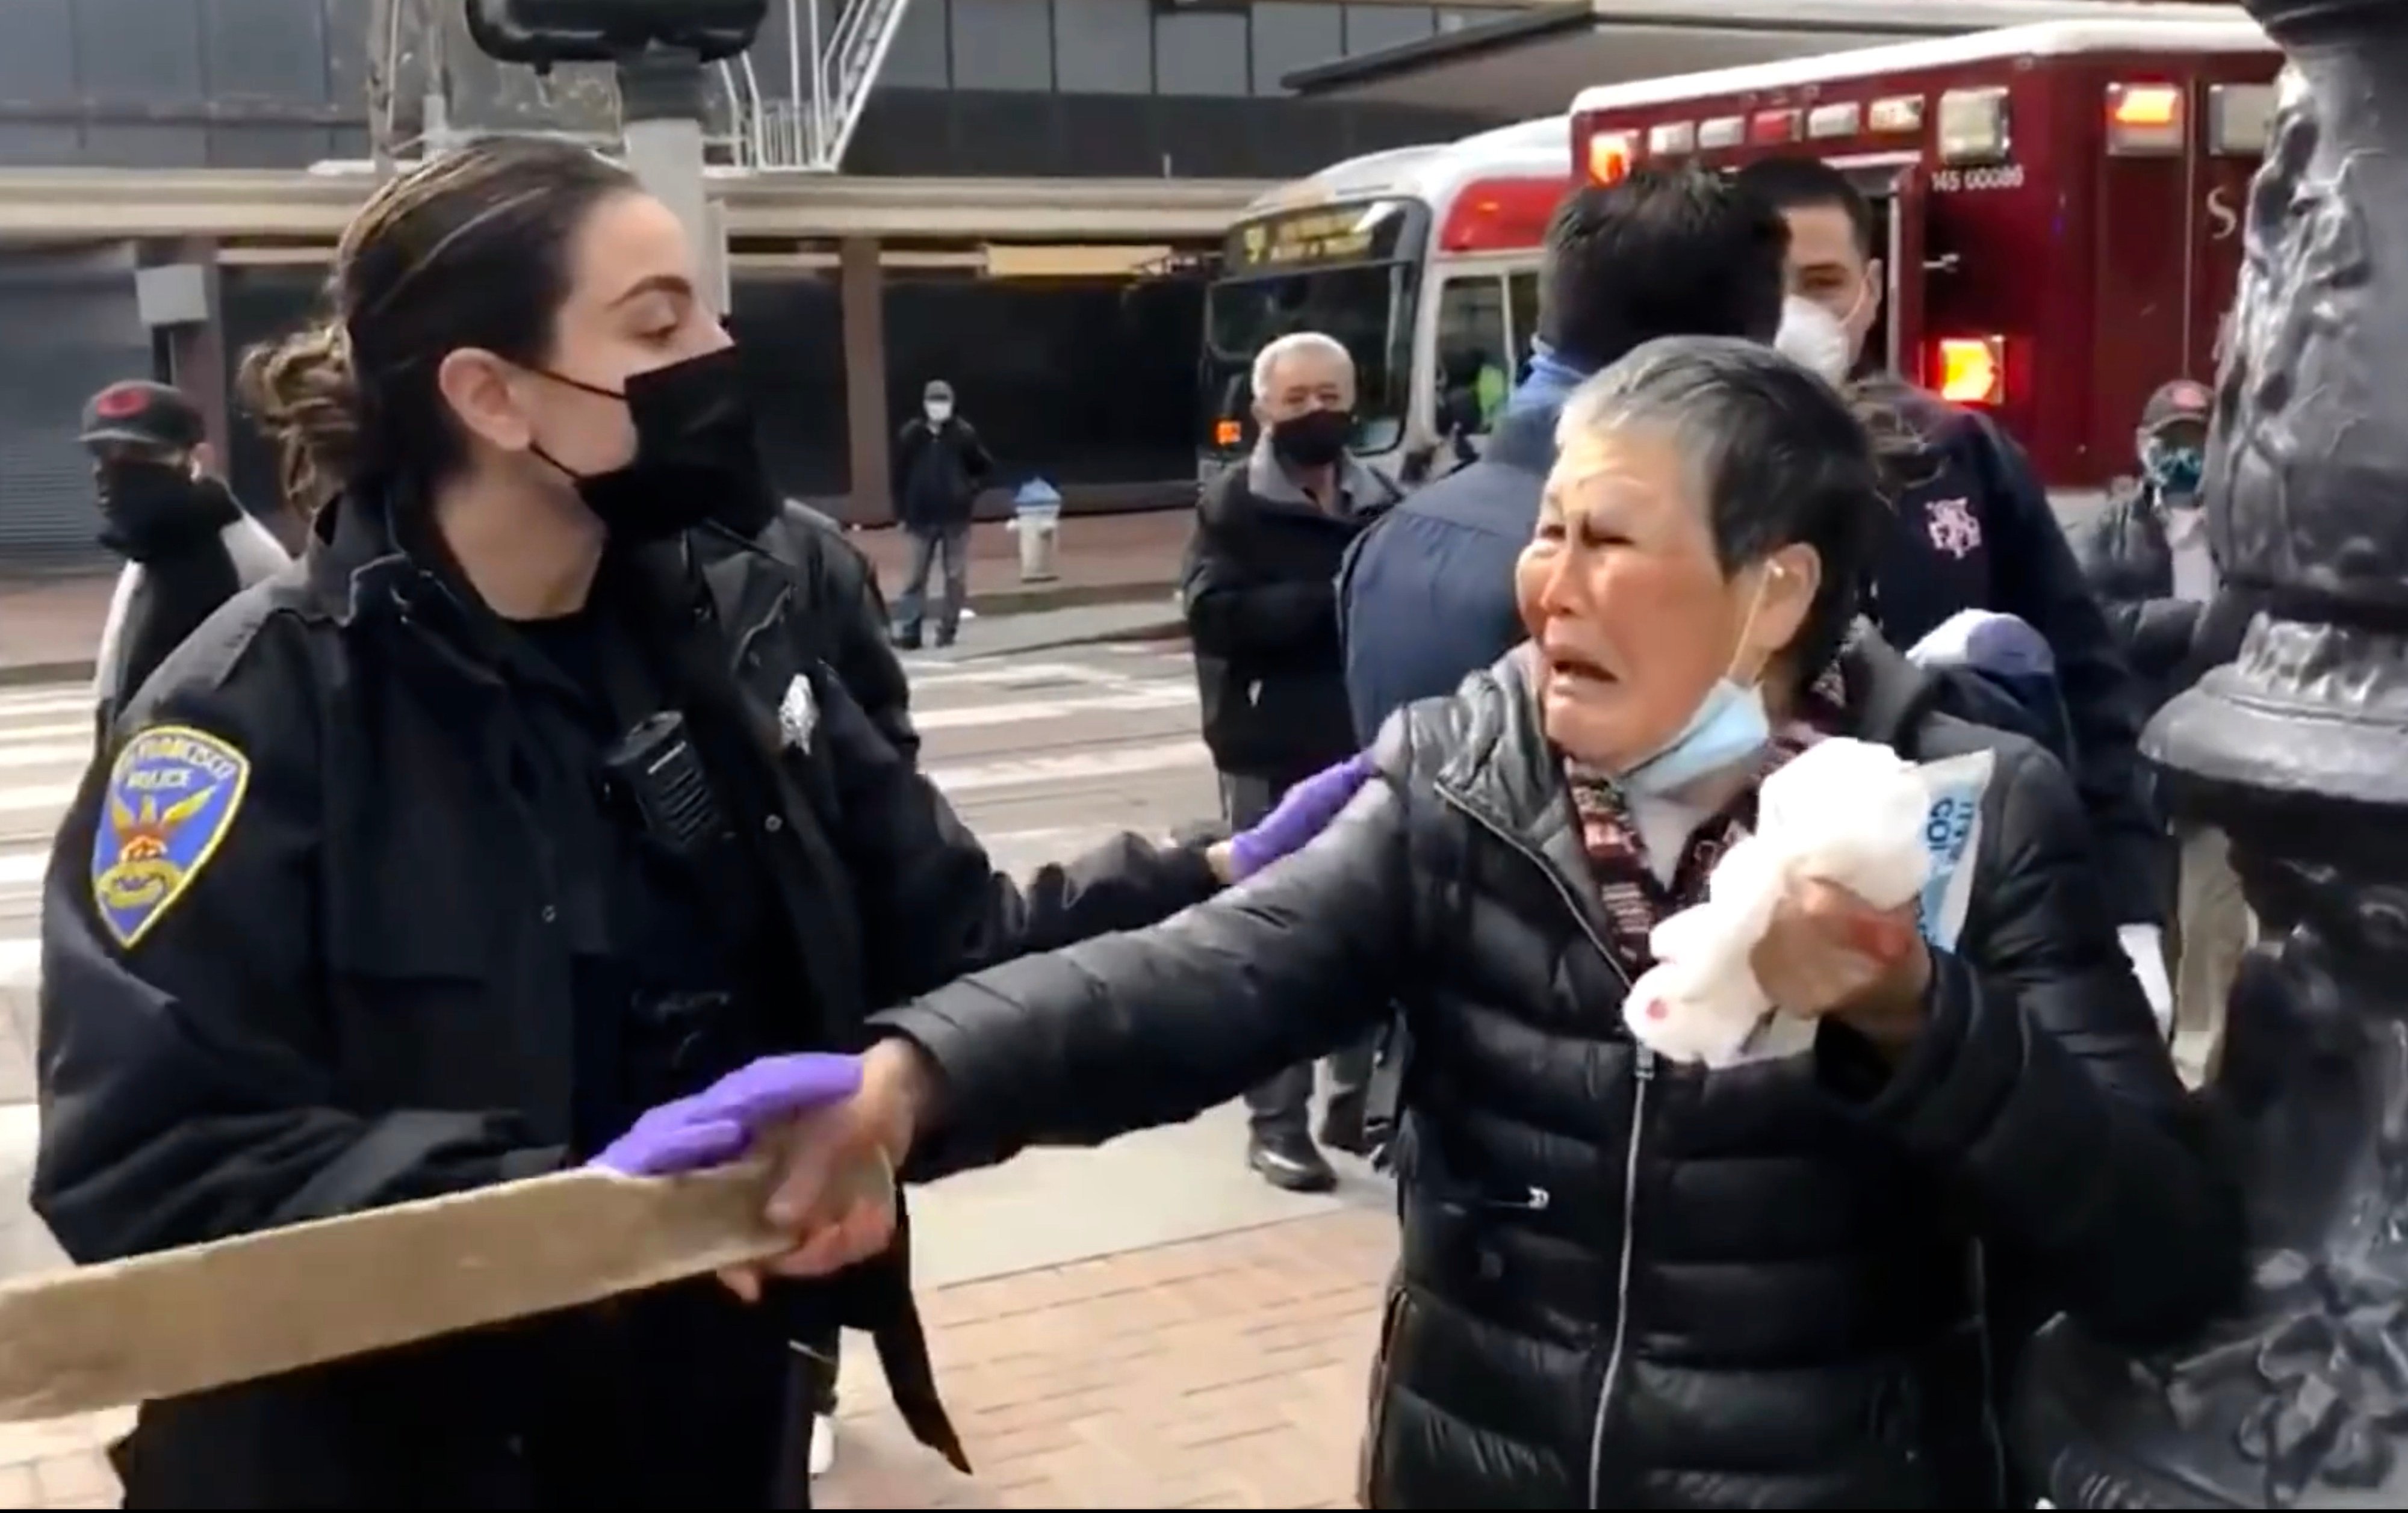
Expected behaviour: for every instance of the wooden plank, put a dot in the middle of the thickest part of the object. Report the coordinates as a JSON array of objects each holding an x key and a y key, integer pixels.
[{"x": 207, "y": 1316}]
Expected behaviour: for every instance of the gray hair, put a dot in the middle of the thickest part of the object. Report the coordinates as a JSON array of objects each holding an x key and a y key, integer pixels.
[
  {"x": 1267, "y": 361},
  {"x": 1773, "y": 452}
]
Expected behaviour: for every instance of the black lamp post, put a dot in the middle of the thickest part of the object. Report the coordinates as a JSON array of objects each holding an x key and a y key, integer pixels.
[{"x": 2299, "y": 751}]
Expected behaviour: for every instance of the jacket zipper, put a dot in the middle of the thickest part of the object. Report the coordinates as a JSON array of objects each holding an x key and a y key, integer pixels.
[{"x": 1642, "y": 1072}]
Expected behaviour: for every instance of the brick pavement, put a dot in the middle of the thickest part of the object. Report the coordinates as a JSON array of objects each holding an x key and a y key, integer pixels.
[
  {"x": 54, "y": 623},
  {"x": 1223, "y": 1372}
]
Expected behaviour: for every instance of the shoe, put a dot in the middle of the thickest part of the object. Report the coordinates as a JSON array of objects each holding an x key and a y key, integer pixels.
[
  {"x": 1342, "y": 1127},
  {"x": 906, "y": 640},
  {"x": 823, "y": 1446},
  {"x": 1290, "y": 1163},
  {"x": 945, "y": 638}
]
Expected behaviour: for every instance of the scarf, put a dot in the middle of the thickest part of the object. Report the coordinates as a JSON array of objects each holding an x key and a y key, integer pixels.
[{"x": 1635, "y": 902}]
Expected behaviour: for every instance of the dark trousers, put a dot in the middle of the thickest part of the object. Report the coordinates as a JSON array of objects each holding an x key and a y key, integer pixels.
[
  {"x": 910, "y": 606},
  {"x": 1283, "y": 1105}
]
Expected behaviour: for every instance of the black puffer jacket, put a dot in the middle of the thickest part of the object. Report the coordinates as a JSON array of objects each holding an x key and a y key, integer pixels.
[{"x": 1627, "y": 1283}]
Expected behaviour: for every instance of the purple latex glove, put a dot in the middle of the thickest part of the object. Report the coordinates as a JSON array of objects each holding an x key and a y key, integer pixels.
[
  {"x": 1303, "y": 812},
  {"x": 719, "y": 1124}
]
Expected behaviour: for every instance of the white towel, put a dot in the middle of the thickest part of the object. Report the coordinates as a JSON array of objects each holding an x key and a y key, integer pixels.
[{"x": 1843, "y": 812}]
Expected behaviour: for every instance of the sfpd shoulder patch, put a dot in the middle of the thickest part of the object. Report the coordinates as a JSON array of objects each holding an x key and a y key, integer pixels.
[{"x": 172, "y": 796}]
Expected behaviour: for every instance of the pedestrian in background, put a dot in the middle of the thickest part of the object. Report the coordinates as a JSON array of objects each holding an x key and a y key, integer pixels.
[
  {"x": 940, "y": 465},
  {"x": 189, "y": 545},
  {"x": 1262, "y": 612},
  {"x": 2148, "y": 559}
]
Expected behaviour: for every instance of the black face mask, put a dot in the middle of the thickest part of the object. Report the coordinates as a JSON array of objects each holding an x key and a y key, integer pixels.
[
  {"x": 152, "y": 510},
  {"x": 696, "y": 457},
  {"x": 1315, "y": 438}
]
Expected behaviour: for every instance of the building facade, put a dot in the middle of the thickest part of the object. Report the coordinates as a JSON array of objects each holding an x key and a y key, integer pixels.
[{"x": 1076, "y": 353}]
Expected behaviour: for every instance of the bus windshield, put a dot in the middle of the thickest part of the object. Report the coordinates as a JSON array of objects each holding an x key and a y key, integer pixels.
[
  {"x": 1348, "y": 270},
  {"x": 1368, "y": 307}
]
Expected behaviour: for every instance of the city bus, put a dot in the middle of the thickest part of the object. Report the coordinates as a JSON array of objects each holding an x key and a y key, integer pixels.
[
  {"x": 2062, "y": 203},
  {"x": 1424, "y": 260}
]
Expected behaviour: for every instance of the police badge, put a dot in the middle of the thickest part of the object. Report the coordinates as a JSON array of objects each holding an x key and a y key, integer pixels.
[{"x": 798, "y": 714}]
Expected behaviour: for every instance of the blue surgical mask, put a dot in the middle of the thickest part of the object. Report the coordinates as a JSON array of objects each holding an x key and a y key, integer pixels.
[
  {"x": 2172, "y": 469},
  {"x": 1729, "y": 726}
]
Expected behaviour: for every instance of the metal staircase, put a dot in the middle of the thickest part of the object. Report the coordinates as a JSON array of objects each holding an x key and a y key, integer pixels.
[{"x": 830, "y": 70}]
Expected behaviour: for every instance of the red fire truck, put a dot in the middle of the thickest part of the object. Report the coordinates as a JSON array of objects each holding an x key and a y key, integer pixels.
[{"x": 2061, "y": 202}]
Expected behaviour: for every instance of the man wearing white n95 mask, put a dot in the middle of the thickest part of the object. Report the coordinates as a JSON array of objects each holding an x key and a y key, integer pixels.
[{"x": 1973, "y": 530}]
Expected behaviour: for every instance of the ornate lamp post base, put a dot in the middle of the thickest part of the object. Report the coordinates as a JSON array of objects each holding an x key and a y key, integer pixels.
[{"x": 2299, "y": 751}]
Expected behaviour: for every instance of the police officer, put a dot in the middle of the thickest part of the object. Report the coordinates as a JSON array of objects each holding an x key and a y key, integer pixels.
[
  {"x": 514, "y": 814},
  {"x": 188, "y": 544}
]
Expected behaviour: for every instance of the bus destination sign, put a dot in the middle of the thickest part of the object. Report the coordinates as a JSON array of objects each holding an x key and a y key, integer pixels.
[{"x": 1356, "y": 232}]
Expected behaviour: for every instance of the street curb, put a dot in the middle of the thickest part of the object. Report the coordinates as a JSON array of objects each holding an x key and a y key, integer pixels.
[
  {"x": 20, "y": 674},
  {"x": 1168, "y": 629},
  {"x": 1036, "y": 598}
]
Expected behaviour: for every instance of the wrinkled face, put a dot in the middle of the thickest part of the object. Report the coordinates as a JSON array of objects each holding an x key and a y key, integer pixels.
[
  {"x": 633, "y": 305},
  {"x": 1305, "y": 380},
  {"x": 1826, "y": 267},
  {"x": 1629, "y": 610}
]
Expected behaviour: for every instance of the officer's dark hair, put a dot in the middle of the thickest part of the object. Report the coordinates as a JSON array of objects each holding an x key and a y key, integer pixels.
[
  {"x": 1779, "y": 456},
  {"x": 1799, "y": 183},
  {"x": 1662, "y": 253},
  {"x": 468, "y": 250}
]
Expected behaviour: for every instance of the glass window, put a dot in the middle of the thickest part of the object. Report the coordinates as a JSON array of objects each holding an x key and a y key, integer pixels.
[
  {"x": 1201, "y": 54},
  {"x": 918, "y": 58},
  {"x": 1103, "y": 46},
  {"x": 1002, "y": 45},
  {"x": 1290, "y": 36},
  {"x": 1366, "y": 305},
  {"x": 1373, "y": 28},
  {"x": 1522, "y": 297},
  {"x": 1475, "y": 361}
]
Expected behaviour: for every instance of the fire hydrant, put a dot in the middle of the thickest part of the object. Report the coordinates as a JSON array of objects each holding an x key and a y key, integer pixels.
[{"x": 1037, "y": 520}]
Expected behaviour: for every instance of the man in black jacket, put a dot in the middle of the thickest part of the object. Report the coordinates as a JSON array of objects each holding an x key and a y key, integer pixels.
[
  {"x": 940, "y": 467},
  {"x": 188, "y": 546},
  {"x": 1975, "y": 530},
  {"x": 1262, "y": 613}
]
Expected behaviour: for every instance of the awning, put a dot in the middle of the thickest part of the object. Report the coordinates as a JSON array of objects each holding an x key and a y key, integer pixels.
[{"x": 1533, "y": 63}]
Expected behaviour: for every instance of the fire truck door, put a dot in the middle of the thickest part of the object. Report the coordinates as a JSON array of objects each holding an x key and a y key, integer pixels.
[{"x": 1901, "y": 331}]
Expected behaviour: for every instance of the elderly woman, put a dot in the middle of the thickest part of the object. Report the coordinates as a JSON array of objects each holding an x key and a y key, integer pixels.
[{"x": 1628, "y": 1283}]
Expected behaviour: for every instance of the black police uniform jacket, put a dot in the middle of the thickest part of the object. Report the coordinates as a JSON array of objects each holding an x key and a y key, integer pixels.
[
  {"x": 1627, "y": 1283},
  {"x": 362, "y": 995}
]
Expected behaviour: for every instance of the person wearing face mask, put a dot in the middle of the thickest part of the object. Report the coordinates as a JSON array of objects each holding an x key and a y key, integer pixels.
[
  {"x": 1626, "y": 1282},
  {"x": 1262, "y": 617},
  {"x": 940, "y": 465},
  {"x": 189, "y": 545},
  {"x": 1971, "y": 528},
  {"x": 494, "y": 840},
  {"x": 2149, "y": 561}
]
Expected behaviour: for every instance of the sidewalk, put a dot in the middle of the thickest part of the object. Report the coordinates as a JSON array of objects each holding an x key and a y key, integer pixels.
[
  {"x": 49, "y": 627},
  {"x": 1223, "y": 1372}
]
